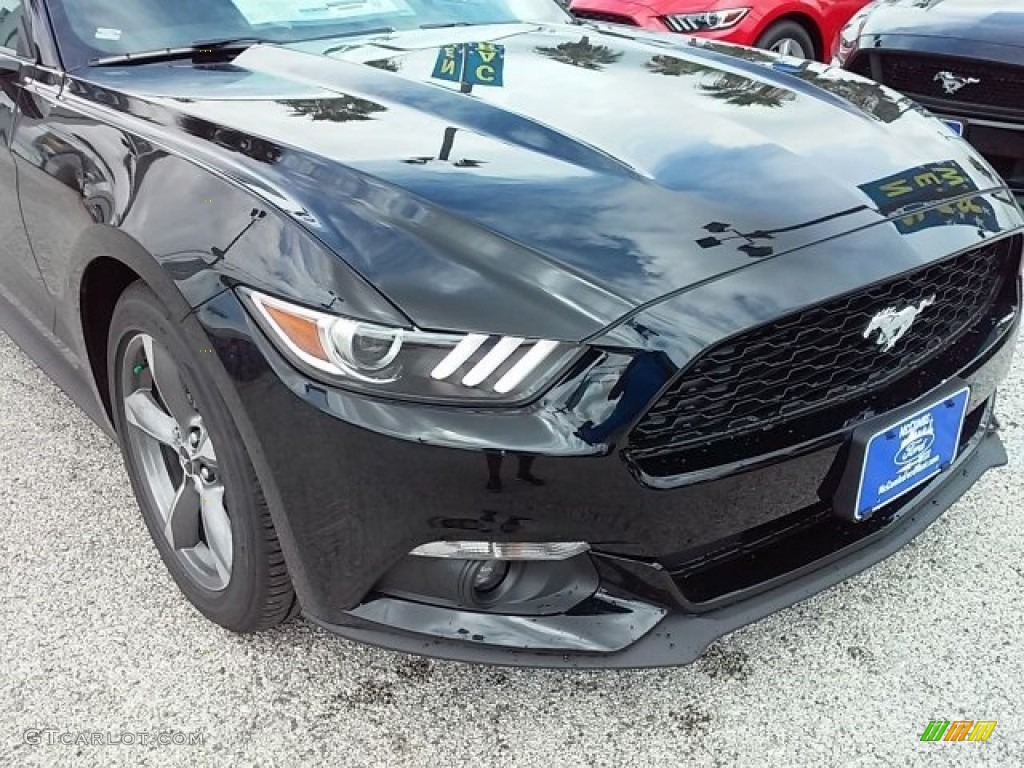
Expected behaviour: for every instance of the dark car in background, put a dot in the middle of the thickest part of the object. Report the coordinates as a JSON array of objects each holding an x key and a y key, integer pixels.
[
  {"x": 471, "y": 331},
  {"x": 962, "y": 59}
]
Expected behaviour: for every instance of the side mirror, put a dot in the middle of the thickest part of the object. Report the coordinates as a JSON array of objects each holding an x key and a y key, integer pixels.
[{"x": 10, "y": 74}]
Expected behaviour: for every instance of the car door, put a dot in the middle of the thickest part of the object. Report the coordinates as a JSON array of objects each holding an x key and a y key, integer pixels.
[{"x": 21, "y": 282}]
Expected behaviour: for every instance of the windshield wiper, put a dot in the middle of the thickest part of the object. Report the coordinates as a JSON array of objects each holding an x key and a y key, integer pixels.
[
  {"x": 200, "y": 50},
  {"x": 348, "y": 33},
  {"x": 444, "y": 24}
]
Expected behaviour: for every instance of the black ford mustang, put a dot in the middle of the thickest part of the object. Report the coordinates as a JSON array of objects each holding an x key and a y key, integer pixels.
[
  {"x": 963, "y": 59},
  {"x": 481, "y": 333}
]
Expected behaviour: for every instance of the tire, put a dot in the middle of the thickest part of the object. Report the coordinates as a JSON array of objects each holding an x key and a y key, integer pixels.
[
  {"x": 228, "y": 561},
  {"x": 788, "y": 34}
]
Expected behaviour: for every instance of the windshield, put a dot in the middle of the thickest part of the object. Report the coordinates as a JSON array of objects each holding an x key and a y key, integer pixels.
[{"x": 88, "y": 29}]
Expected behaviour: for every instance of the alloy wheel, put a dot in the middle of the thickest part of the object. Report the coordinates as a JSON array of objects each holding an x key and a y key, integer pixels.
[
  {"x": 177, "y": 462},
  {"x": 787, "y": 46}
]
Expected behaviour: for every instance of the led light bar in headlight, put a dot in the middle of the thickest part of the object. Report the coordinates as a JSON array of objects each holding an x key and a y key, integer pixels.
[
  {"x": 526, "y": 365},
  {"x": 409, "y": 362},
  {"x": 494, "y": 550}
]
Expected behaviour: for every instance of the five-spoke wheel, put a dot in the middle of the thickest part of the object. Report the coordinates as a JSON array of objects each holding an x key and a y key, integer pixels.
[
  {"x": 179, "y": 461},
  {"x": 788, "y": 38},
  {"x": 197, "y": 489}
]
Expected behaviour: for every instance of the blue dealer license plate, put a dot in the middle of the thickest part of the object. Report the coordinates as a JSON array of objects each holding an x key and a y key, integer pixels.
[{"x": 902, "y": 456}]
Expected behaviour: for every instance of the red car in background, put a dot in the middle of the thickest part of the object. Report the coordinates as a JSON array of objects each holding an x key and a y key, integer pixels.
[{"x": 806, "y": 29}]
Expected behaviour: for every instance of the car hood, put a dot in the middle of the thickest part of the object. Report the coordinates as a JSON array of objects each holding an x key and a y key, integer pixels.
[
  {"x": 582, "y": 175},
  {"x": 986, "y": 21}
]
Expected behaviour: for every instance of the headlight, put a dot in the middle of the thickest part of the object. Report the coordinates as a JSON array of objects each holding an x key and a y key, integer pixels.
[
  {"x": 706, "y": 20},
  {"x": 849, "y": 35},
  {"x": 406, "y": 362}
]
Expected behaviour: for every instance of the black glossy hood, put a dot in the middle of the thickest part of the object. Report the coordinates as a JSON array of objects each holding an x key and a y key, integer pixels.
[
  {"x": 999, "y": 22},
  {"x": 602, "y": 173}
]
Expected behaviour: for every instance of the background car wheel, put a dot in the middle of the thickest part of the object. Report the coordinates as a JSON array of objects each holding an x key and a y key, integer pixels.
[
  {"x": 788, "y": 38},
  {"x": 195, "y": 485}
]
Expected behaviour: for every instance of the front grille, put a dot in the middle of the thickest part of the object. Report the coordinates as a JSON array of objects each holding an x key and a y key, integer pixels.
[
  {"x": 607, "y": 18},
  {"x": 771, "y": 387},
  {"x": 999, "y": 85}
]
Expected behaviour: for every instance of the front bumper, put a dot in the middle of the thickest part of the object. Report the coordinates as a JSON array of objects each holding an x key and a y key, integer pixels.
[
  {"x": 677, "y": 637},
  {"x": 355, "y": 484}
]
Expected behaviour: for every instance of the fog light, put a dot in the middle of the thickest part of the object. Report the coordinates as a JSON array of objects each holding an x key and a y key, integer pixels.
[
  {"x": 488, "y": 575},
  {"x": 493, "y": 550}
]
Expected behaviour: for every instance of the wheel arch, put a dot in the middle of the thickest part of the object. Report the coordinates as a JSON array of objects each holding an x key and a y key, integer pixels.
[{"x": 104, "y": 263}]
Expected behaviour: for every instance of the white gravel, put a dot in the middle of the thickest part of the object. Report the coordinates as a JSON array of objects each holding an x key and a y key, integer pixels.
[{"x": 96, "y": 639}]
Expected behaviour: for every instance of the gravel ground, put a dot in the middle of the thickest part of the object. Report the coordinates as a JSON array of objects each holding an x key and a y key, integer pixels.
[{"x": 97, "y": 639}]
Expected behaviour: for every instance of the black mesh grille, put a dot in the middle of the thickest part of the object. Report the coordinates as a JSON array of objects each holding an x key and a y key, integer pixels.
[
  {"x": 999, "y": 85},
  {"x": 860, "y": 65},
  {"x": 607, "y": 18},
  {"x": 778, "y": 376}
]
